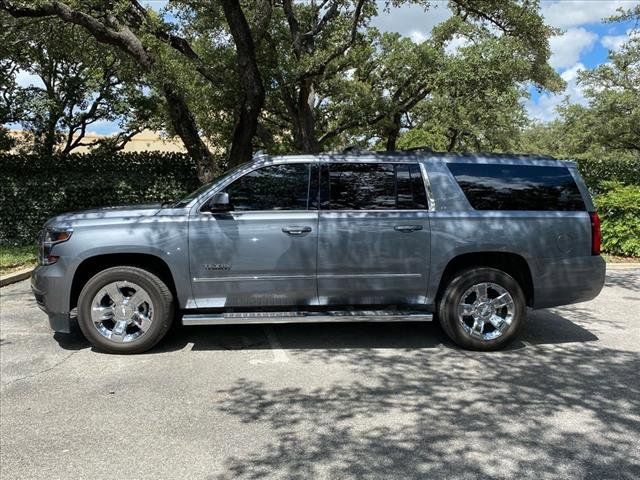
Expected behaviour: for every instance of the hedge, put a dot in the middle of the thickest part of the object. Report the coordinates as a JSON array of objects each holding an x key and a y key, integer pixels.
[
  {"x": 36, "y": 188},
  {"x": 595, "y": 172},
  {"x": 619, "y": 209}
]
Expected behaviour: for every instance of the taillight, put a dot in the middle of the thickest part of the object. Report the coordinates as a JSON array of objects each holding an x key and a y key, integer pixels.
[{"x": 596, "y": 235}]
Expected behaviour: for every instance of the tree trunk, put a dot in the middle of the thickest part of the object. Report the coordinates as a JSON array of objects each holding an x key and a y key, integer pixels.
[
  {"x": 253, "y": 91},
  {"x": 453, "y": 140},
  {"x": 48, "y": 137},
  {"x": 185, "y": 127},
  {"x": 306, "y": 118},
  {"x": 393, "y": 132}
]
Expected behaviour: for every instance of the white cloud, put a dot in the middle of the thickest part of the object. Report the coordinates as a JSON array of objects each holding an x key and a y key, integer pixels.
[
  {"x": 615, "y": 42},
  {"x": 26, "y": 79},
  {"x": 456, "y": 43},
  {"x": 411, "y": 20},
  {"x": 567, "y": 48},
  {"x": 569, "y": 13},
  {"x": 544, "y": 109},
  {"x": 417, "y": 36}
]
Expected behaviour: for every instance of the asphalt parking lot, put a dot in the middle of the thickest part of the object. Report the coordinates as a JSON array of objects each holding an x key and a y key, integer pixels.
[{"x": 327, "y": 401}]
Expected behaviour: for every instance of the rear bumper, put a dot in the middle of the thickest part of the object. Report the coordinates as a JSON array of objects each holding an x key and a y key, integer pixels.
[
  {"x": 49, "y": 288},
  {"x": 567, "y": 280}
]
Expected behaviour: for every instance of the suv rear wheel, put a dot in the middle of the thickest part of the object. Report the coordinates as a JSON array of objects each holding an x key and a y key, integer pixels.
[
  {"x": 125, "y": 310},
  {"x": 482, "y": 308}
]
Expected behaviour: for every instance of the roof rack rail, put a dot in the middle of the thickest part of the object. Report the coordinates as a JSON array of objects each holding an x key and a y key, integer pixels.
[
  {"x": 421, "y": 148},
  {"x": 355, "y": 149}
]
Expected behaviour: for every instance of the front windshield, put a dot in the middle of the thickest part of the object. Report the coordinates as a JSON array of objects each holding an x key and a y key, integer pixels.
[{"x": 196, "y": 193}]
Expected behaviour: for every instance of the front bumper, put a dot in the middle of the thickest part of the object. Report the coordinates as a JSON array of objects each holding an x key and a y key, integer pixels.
[{"x": 49, "y": 287}]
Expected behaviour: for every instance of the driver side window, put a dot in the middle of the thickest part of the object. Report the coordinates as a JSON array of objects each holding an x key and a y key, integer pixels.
[{"x": 276, "y": 187}]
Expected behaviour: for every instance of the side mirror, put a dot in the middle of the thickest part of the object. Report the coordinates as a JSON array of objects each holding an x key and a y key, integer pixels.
[{"x": 219, "y": 203}]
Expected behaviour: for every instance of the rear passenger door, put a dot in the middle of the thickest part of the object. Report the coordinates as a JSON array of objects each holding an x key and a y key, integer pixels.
[{"x": 373, "y": 245}]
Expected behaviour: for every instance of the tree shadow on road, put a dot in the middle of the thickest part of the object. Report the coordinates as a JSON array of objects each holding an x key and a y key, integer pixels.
[
  {"x": 565, "y": 411},
  {"x": 554, "y": 405}
]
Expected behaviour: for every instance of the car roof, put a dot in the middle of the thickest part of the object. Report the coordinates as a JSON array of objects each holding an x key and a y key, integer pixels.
[{"x": 418, "y": 156}]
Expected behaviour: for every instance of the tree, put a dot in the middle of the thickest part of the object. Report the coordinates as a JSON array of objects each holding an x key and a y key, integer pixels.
[
  {"x": 309, "y": 76},
  {"x": 374, "y": 101},
  {"x": 336, "y": 79},
  {"x": 608, "y": 126},
  {"x": 125, "y": 26},
  {"x": 81, "y": 84}
]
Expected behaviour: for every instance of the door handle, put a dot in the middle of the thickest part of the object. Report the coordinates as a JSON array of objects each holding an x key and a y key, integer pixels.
[
  {"x": 296, "y": 230},
  {"x": 407, "y": 228}
]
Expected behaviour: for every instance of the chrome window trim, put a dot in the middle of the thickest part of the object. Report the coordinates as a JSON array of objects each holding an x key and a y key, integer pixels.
[
  {"x": 250, "y": 169},
  {"x": 262, "y": 162},
  {"x": 243, "y": 212},
  {"x": 395, "y": 210},
  {"x": 427, "y": 186}
]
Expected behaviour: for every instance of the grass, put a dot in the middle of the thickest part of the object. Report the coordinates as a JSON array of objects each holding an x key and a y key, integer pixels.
[{"x": 16, "y": 257}]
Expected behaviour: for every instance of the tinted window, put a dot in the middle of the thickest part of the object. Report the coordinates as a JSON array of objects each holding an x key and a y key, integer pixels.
[
  {"x": 410, "y": 187},
  {"x": 517, "y": 187},
  {"x": 373, "y": 186},
  {"x": 277, "y": 187}
]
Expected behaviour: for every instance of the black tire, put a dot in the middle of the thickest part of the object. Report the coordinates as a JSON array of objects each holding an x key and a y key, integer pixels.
[
  {"x": 452, "y": 296},
  {"x": 159, "y": 294}
]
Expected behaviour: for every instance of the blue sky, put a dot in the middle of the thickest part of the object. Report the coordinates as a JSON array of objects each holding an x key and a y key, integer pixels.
[{"x": 585, "y": 43}]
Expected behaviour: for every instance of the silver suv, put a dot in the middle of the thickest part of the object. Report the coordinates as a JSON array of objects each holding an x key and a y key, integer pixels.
[{"x": 470, "y": 239}]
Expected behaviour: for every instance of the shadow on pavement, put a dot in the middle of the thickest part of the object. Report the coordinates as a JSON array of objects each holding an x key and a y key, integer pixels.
[
  {"x": 542, "y": 327},
  {"x": 557, "y": 412},
  {"x": 554, "y": 405}
]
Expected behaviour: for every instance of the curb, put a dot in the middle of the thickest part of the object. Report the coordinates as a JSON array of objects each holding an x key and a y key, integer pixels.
[
  {"x": 15, "y": 276},
  {"x": 623, "y": 266}
]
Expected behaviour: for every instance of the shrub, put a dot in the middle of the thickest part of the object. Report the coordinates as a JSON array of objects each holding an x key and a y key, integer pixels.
[
  {"x": 619, "y": 210},
  {"x": 597, "y": 171},
  {"x": 36, "y": 188}
]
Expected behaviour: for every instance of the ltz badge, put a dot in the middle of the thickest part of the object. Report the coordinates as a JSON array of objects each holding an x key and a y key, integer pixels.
[{"x": 217, "y": 266}]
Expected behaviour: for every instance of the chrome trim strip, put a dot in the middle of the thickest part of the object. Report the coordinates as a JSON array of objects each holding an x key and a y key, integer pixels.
[
  {"x": 369, "y": 275},
  {"x": 305, "y": 277},
  {"x": 253, "y": 277},
  {"x": 304, "y": 317},
  {"x": 427, "y": 187}
]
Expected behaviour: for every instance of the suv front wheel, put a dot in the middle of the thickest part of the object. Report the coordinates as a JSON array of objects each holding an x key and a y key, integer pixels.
[
  {"x": 482, "y": 308},
  {"x": 125, "y": 310}
]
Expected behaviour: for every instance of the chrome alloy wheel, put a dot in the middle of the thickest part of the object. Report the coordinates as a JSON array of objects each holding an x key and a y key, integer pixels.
[
  {"x": 486, "y": 310},
  {"x": 122, "y": 312}
]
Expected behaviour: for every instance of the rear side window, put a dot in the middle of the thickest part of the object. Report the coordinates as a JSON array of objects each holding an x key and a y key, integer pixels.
[
  {"x": 372, "y": 186},
  {"x": 517, "y": 187}
]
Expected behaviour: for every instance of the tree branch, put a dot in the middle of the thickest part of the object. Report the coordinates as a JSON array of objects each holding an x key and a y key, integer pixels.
[{"x": 122, "y": 38}]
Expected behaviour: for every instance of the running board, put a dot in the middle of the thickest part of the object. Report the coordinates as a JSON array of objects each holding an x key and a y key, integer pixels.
[{"x": 243, "y": 318}]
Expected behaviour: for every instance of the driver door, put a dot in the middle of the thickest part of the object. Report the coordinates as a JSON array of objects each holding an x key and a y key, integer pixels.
[{"x": 263, "y": 251}]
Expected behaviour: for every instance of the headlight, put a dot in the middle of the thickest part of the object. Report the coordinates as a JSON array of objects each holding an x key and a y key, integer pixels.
[{"x": 48, "y": 238}]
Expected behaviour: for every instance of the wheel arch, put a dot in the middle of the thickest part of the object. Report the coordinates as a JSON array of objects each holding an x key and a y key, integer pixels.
[
  {"x": 95, "y": 264},
  {"x": 510, "y": 263}
]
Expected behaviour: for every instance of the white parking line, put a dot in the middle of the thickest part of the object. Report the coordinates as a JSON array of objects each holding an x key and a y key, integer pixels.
[{"x": 279, "y": 355}]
